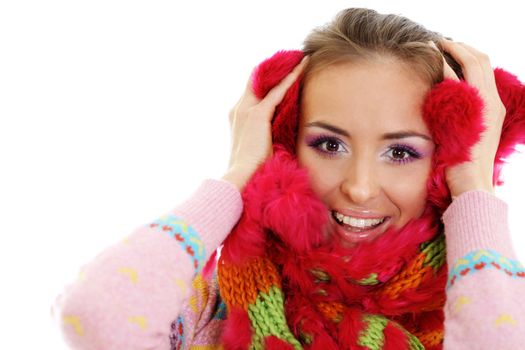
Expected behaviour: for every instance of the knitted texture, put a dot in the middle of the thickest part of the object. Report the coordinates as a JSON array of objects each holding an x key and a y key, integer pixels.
[{"x": 287, "y": 285}]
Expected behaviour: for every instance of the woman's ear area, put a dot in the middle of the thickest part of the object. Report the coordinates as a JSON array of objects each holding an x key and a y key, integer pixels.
[
  {"x": 272, "y": 70},
  {"x": 268, "y": 74},
  {"x": 452, "y": 109}
]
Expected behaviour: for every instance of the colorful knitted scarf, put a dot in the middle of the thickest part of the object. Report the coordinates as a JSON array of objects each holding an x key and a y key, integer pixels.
[{"x": 288, "y": 285}]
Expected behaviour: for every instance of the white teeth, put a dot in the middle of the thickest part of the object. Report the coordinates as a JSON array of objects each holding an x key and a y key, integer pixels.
[{"x": 361, "y": 223}]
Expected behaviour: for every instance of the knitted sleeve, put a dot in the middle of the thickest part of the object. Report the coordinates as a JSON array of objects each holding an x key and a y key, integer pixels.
[
  {"x": 129, "y": 296},
  {"x": 486, "y": 283}
]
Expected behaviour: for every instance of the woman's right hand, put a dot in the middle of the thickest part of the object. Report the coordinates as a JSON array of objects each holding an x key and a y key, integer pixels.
[{"x": 251, "y": 129}]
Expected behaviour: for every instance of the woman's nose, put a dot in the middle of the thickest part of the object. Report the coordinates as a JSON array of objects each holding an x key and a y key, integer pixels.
[{"x": 361, "y": 183}]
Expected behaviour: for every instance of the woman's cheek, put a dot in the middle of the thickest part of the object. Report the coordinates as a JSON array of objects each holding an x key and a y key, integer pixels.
[
  {"x": 323, "y": 177},
  {"x": 410, "y": 191}
]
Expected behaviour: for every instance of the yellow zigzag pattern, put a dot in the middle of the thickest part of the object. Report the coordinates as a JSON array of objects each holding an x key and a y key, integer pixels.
[
  {"x": 200, "y": 292},
  {"x": 182, "y": 224},
  {"x": 505, "y": 261},
  {"x": 131, "y": 273},
  {"x": 199, "y": 244},
  {"x": 481, "y": 253},
  {"x": 462, "y": 300},
  {"x": 141, "y": 321},
  {"x": 75, "y": 322},
  {"x": 182, "y": 286},
  {"x": 504, "y": 318},
  {"x": 461, "y": 262}
]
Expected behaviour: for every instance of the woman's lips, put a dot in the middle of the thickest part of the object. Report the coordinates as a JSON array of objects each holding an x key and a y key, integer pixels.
[{"x": 367, "y": 235}]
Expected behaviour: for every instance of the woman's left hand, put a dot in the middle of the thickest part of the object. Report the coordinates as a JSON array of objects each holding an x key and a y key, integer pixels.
[{"x": 477, "y": 173}]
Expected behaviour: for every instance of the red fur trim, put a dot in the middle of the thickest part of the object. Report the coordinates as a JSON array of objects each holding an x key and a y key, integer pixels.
[
  {"x": 395, "y": 339},
  {"x": 323, "y": 342},
  {"x": 237, "y": 333},
  {"x": 272, "y": 70},
  {"x": 290, "y": 208},
  {"x": 304, "y": 318},
  {"x": 277, "y": 191},
  {"x": 512, "y": 94},
  {"x": 350, "y": 328},
  {"x": 268, "y": 74},
  {"x": 453, "y": 112},
  {"x": 274, "y": 343}
]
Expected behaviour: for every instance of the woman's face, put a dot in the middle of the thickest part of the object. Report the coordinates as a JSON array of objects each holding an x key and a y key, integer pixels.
[{"x": 366, "y": 147}]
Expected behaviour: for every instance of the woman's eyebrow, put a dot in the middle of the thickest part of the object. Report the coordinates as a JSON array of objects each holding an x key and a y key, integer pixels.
[{"x": 388, "y": 136}]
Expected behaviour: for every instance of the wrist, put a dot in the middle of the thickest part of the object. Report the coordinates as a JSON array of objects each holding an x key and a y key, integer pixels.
[
  {"x": 464, "y": 177},
  {"x": 471, "y": 187},
  {"x": 237, "y": 177}
]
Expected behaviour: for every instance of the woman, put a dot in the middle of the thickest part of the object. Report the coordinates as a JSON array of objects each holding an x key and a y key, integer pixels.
[{"x": 337, "y": 240}]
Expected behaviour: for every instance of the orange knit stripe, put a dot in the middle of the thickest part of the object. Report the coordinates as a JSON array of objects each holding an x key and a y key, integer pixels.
[
  {"x": 236, "y": 287},
  {"x": 267, "y": 275},
  {"x": 332, "y": 310},
  {"x": 241, "y": 284},
  {"x": 430, "y": 338},
  {"x": 411, "y": 277}
]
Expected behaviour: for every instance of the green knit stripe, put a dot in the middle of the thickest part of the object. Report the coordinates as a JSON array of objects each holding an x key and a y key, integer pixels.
[
  {"x": 370, "y": 280},
  {"x": 268, "y": 318},
  {"x": 373, "y": 337},
  {"x": 414, "y": 342},
  {"x": 435, "y": 253}
]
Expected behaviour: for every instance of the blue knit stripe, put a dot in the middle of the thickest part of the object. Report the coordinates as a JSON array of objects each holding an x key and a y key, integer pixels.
[
  {"x": 185, "y": 235},
  {"x": 484, "y": 259}
]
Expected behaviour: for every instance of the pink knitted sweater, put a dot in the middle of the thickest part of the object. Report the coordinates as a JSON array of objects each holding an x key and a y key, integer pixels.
[{"x": 150, "y": 292}]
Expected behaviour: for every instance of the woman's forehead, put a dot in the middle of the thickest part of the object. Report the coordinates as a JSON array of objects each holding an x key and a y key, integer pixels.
[{"x": 377, "y": 92}]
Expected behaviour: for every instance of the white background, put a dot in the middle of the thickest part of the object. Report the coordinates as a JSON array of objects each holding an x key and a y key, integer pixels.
[{"x": 112, "y": 112}]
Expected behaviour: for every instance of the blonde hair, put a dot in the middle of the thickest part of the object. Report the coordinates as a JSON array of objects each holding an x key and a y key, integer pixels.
[{"x": 360, "y": 34}]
